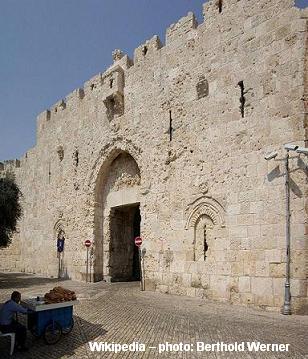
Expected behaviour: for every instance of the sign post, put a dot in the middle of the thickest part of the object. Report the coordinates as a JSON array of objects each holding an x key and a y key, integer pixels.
[
  {"x": 138, "y": 242},
  {"x": 87, "y": 243}
]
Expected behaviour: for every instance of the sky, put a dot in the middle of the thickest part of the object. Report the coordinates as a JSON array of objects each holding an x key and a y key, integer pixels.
[{"x": 49, "y": 48}]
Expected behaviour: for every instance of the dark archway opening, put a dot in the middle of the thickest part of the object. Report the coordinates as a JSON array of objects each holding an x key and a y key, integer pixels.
[{"x": 124, "y": 260}]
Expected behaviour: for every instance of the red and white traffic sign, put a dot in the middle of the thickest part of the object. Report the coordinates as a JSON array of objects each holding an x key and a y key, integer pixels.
[
  {"x": 87, "y": 243},
  {"x": 138, "y": 241}
]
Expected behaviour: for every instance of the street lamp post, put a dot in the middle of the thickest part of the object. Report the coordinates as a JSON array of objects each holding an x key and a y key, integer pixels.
[
  {"x": 287, "y": 295},
  {"x": 288, "y": 147}
]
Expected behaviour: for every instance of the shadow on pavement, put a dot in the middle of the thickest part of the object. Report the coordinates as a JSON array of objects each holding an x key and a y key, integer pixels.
[
  {"x": 69, "y": 345},
  {"x": 20, "y": 280}
]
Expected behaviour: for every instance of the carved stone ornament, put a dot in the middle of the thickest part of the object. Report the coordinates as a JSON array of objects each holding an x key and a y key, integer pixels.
[
  {"x": 205, "y": 206},
  {"x": 117, "y": 55}
]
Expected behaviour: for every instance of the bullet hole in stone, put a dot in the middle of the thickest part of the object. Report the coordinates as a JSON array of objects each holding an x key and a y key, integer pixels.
[
  {"x": 191, "y": 151},
  {"x": 49, "y": 173},
  {"x": 219, "y": 4},
  {"x": 144, "y": 50},
  {"x": 111, "y": 83}
]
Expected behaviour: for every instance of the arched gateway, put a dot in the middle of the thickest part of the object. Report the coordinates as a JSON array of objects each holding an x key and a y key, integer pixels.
[{"x": 117, "y": 218}]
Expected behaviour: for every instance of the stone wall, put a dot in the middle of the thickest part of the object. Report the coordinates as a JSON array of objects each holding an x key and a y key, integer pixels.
[{"x": 196, "y": 116}]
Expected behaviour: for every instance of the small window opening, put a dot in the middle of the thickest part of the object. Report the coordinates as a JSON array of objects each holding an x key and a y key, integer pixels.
[
  {"x": 242, "y": 98},
  {"x": 144, "y": 50},
  {"x": 205, "y": 245},
  {"x": 92, "y": 87},
  {"x": 111, "y": 83}
]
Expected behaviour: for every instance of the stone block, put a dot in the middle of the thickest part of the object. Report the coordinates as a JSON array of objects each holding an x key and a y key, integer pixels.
[
  {"x": 273, "y": 255},
  {"x": 277, "y": 270},
  {"x": 246, "y": 298},
  {"x": 150, "y": 285},
  {"x": 186, "y": 277},
  {"x": 162, "y": 288},
  {"x": 191, "y": 292},
  {"x": 262, "y": 287},
  {"x": 244, "y": 284}
]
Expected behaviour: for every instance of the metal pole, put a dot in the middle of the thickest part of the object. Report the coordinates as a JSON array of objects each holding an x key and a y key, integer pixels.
[
  {"x": 143, "y": 272},
  {"x": 87, "y": 264},
  {"x": 140, "y": 265},
  {"x": 59, "y": 265},
  {"x": 287, "y": 295}
]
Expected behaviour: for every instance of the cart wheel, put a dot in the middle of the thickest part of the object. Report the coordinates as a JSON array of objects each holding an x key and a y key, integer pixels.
[
  {"x": 52, "y": 333},
  {"x": 68, "y": 329}
]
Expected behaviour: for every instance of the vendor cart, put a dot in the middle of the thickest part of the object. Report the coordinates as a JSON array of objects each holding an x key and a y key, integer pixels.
[{"x": 49, "y": 320}]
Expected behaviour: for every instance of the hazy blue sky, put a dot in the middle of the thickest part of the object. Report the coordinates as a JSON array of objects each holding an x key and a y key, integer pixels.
[{"x": 50, "y": 47}]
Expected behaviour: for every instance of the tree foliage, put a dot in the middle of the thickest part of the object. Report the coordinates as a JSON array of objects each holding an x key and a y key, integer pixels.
[{"x": 10, "y": 208}]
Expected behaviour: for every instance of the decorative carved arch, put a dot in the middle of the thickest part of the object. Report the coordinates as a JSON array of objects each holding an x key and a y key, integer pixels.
[
  {"x": 58, "y": 227},
  {"x": 105, "y": 157},
  {"x": 205, "y": 206}
]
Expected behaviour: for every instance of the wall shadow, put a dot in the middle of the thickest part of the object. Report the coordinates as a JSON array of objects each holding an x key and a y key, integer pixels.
[{"x": 23, "y": 280}]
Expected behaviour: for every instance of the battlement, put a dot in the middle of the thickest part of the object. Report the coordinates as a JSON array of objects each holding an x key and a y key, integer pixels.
[
  {"x": 146, "y": 50},
  {"x": 110, "y": 84},
  {"x": 9, "y": 165},
  {"x": 180, "y": 30}
]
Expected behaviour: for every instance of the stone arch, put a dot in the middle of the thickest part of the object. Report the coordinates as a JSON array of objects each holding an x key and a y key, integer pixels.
[
  {"x": 117, "y": 184},
  {"x": 204, "y": 215},
  {"x": 205, "y": 206},
  {"x": 104, "y": 158},
  {"x": 59, "y": 227},
  {"x": 60, "y": 233}
]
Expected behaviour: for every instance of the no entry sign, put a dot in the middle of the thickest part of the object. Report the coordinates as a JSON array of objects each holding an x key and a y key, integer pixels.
[
  {"x": 87, "y": 243},
  {"x": 138, "y": 241}
]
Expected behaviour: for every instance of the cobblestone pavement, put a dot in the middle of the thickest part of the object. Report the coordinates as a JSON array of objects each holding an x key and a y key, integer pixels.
[{"x": 120, "y": 313}]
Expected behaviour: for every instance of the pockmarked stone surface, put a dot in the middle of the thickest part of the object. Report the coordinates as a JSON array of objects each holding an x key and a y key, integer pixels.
[
  {"x": 170, "y": 146},
  {"x": 120, "y": 313}
]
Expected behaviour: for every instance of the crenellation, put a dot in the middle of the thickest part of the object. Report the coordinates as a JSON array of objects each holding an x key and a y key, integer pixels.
[
  {"x": 176, "y": 33},
  {"x": 10, "y": 165},
  {"x": 91, "y": 85},
  {"x": 41, "y": 122},
  {"x": 72, "y": 98},
  {"x": 146, "y": 50},
  {"x": 58, "y": 106}
]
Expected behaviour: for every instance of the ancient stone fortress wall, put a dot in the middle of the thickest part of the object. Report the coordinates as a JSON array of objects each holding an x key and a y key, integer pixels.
[{"x": 180, "y": 131}]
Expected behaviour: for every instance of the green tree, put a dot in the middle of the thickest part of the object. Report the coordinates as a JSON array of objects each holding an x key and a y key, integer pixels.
[{"x": 10, "y": 208}]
